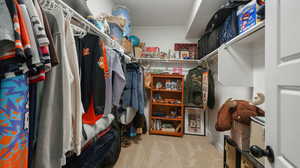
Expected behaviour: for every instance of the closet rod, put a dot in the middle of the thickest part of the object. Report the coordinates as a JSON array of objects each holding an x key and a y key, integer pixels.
[
  {"x": 127, "y": 57},
  {"x": 88, "y": 25}
]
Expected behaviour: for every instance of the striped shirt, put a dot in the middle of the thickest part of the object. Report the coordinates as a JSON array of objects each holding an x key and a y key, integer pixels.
[{"x": 16, "y": 61}]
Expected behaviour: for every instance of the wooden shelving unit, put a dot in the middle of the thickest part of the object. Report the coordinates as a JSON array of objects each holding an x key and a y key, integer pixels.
[
  {"x": 166, "y": 104},
  {"x": 167, "y": 76},
  {"x": 157, "y": 132},
  {"x": 166, "y": 118},
  {"x": 157, "y": 106},
  {"x": 166, "y": 90}
]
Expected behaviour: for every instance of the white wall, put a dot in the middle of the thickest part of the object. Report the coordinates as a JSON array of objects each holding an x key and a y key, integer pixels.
[
  {"x": 162, "y": 36},
  {"x": 222, "y": 93},
  {"x": 100, "y": 6}
]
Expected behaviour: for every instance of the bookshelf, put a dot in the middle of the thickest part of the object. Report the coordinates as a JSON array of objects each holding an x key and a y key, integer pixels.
[{"x": 166, "y": 106}]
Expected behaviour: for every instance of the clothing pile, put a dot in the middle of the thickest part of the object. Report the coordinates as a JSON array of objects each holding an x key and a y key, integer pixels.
[{"x": 57, "y": 91}]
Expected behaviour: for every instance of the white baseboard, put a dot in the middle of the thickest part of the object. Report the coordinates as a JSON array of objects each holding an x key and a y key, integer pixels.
[
  {"x": 218, "y": 145},
  {"x": 208, "y": 133}
]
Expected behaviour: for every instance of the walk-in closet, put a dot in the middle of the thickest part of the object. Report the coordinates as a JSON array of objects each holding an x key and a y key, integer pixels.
[{"x": 149, "y": 84}]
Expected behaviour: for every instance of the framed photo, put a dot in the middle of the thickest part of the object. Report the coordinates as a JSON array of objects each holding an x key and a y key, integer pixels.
[
  {"x": 184, "y": 55},
  {"x": 190, "y": 47},
  {"x": 194, "y": 122}
]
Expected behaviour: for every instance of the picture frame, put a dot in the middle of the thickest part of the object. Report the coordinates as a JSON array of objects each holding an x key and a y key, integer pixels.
[
  {"x": 184, "y": 55},
  {"x": 194, "y": 121}
]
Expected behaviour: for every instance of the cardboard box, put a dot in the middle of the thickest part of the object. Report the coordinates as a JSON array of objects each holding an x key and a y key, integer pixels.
[
  {"x": 240, "y": 134},
  {"x": 245, "y": 163},
  {"x": 142, "y": 45},
  {"x": 247, "y": 17},
  {"x": 258, "y": 135},
  {"x": 138, "y": 52},
  {"x": 127, "y": 46},
  {"x": 230, "y": 156}
]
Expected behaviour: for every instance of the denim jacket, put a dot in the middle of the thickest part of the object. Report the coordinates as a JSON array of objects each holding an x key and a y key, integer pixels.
[{"x": 134, "y": 92}]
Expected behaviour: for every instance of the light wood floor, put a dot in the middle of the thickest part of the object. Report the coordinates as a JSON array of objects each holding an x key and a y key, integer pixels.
[{"x": 170, "y": 152}]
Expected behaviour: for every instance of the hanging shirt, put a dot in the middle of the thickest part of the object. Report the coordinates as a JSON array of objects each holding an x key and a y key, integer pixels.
[
  {"x": 40, "y": 34},
  {"x": 54, "y": 120},
  {"x": 93, "y": 85},
  {"x": 193, "y": 87},
  {"x": 37, "y": 72},
  {"x": 115, "y": 82},
  {"x": 13, "y": 125},
  {"x": 53, "y": 54},
  {"x": 16, "y": 60},
  {"x": 76, "y": 108},
  {"x": 7, "y": 37}
]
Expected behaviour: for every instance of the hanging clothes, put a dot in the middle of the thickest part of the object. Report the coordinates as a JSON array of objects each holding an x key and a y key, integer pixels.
[
  {"x": 7, "y": 36},
  {"x": 53, "y": 55},
  {"x": 38, "y": 72},
  {"x": 16, "y": 60},
  {"x": 75, "y": 106},
  {"x": 41, "y": 38},
  {"x": 211, "y": 90},
  {"x": 133, "y": 96},
  {"x": 41, "y": 72},
  {"x": 115, "y": 82},
  {"x": 53, "y": 119},
  {"x": 13, "y": 125},
  {"x": 93, "y": 85},
  {"x": 193, "y": 87}
]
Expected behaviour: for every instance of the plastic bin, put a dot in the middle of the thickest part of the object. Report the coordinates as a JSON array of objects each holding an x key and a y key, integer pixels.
[
  {"x": 116, "y": 32},
  {"x": 123, "y": 12},
  {"x": 247, "y": 16}
]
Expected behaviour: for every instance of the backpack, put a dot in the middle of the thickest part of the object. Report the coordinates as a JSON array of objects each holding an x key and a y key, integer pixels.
[
  {"x": 203, "y": 45},
  {"x": 229, "y": 29},
  {"x": 221, "y": 28},
  {"x": 221, "y": 15}
]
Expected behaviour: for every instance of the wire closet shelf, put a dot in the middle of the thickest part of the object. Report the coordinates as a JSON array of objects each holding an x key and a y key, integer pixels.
[{"x": 85, "y": 24}]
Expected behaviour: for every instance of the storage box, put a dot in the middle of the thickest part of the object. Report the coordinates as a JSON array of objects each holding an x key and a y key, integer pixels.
[
  {"x": 191, "y": 48},
  {"x": 126, "y": 44},
  {"x": 245, "y": 163},
  {"x": 247, "y": 17},
  {"x": 151, "y": 52},
  {"x": 152, "y": 49},
  {"x": 119, "y": 21},
  {"x": 138, "y": 52},
  {"x": 116, "y": 32},
  {"x": 258, "y": 134},
  {"x": 240, "y": 134},
  {"x": 232, "y": 157}
]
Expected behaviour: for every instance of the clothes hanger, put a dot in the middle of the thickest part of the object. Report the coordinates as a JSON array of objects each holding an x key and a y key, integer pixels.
[{"x": 207, "y": 64}]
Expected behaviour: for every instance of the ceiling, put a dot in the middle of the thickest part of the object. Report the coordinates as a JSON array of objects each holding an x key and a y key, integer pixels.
[{"x": 158, "y": 12}]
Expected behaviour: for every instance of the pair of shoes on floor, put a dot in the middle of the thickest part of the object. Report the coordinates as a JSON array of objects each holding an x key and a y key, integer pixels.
[{"x": 125, "y": 143}]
